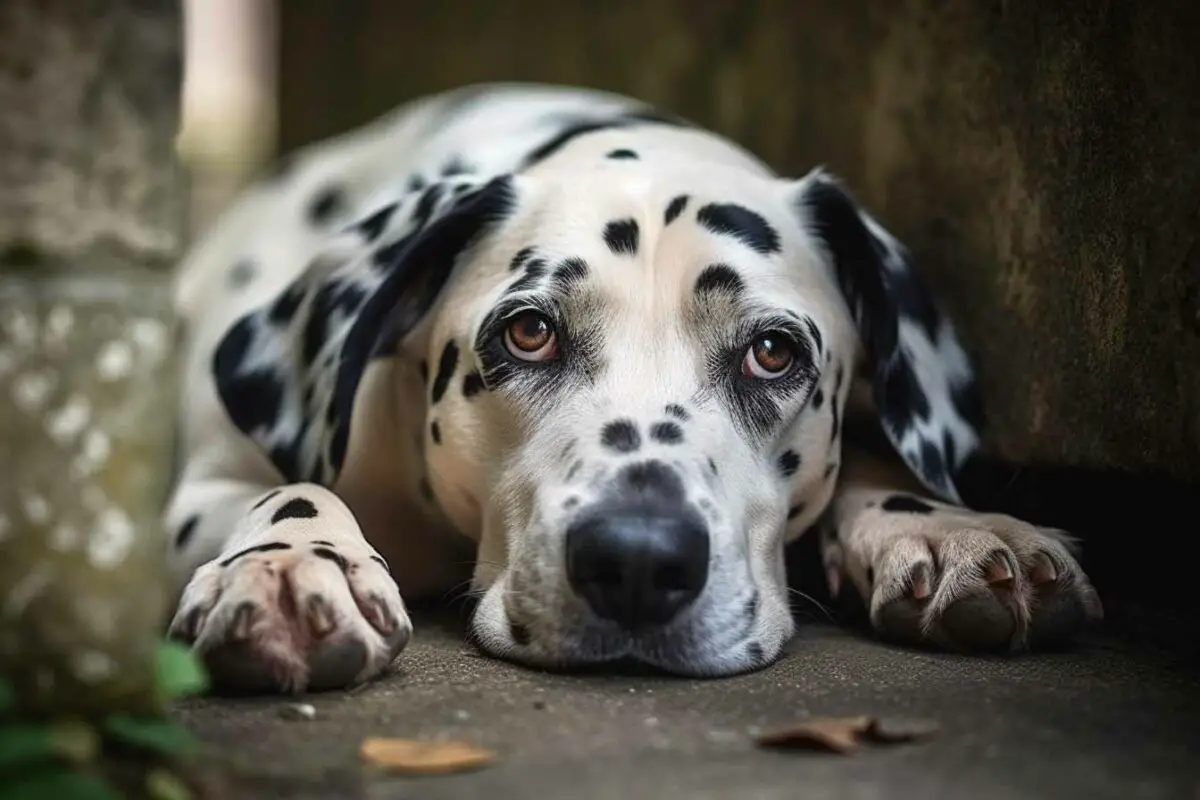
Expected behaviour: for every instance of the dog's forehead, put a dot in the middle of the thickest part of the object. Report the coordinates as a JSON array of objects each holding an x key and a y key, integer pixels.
[{"x": 650, "y": 238}]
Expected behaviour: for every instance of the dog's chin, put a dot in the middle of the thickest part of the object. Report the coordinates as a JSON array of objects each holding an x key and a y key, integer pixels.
[{"x": 682, "y": 649}]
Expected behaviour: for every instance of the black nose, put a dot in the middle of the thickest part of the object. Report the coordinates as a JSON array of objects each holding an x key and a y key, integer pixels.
[{"x": 638, "y": 569}]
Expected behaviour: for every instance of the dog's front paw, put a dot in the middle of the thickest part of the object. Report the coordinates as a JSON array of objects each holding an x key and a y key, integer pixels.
[
  {"x": 962, "y": 580},
  {"x": 294, "y": 613}
]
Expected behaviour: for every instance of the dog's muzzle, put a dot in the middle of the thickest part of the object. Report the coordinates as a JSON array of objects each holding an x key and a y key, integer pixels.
[{"x": 640, "y": 557}]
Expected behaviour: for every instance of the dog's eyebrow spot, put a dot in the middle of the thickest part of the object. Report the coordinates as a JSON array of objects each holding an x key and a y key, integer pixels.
[
  {"x": 818, "y": 399},
  {"x": 674, "y": 209},
  {"x": 789, "y": 462},
  {"x": 296, "y": 508},
  {"x": 472, "y": 384},
  {"x": 373, "y": 226},
  {"x": 435, "y": 432},
  {"x": 621, "y": 435},
  {"x": 445, "y": 371},
  {"x": 666, "y": 432},
  {"x": 677, "y": 411},
  {"x": 574, "y": 470},
  {"x": 906, "y": 504},
  {"x": 795, "y": 511},
  {"x": 719, "y": 278},
  {"x": 266, "y": 498},
  {"x": 518, "y": 261},
  {"x": 186, "y": 531},
  {"x": 570, "y": 502},
  {"x": 748, "y": 227},
  {"x": 622, "y": 154},
  {"x": 324, "y": 204},
  {"x": 621, "y": 236},
  {"x": 260, "y": 548},
  {"x": 569, "y": 273}
]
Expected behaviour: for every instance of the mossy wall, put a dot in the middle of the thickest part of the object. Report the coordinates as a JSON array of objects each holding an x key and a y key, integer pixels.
[{"x": 1039, "y": 158}]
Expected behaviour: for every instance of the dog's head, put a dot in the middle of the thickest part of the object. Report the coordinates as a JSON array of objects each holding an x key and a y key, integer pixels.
[{"x": 636, "y": 383}]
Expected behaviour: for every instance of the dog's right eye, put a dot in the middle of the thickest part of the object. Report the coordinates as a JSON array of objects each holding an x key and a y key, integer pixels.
[{"x": 530, "y": 337}]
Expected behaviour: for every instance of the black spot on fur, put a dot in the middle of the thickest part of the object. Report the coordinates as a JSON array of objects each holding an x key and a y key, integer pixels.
[
  {"x": 622, "y": 154},
  {"x": 260, "y": 548},
  {"x": 789, "y": 462},
  {"x": 570, "y": 502},
  {"x": 523, "y": 255},
  {"x": 445, "y": 371},
  {"x": 435, "y": 432},
  {"x": 186, "y": 531},
  {"x": 677, "y": 411},
  {"x": 755, "y": 652},
  {"x": 456, "y": 166},
  {"x": 795, "y": 511},
  {"x": 906, "y": 399},
  {"x": 373, "y": 226},
  {"x": 907, "y": 504},
  {"x": 621, "y": 435},
  {"x": 582, "y": 127},
  {"x": 569, "y": 273},
  {"x": 286, "y": 305},
  {"x": 574, "y": 470},
  {"x": 829, "y": 470},
  {"x": 748, "y": 227},
  {"x": 296, "y": 508},
  {"x": 750, "y": 610},
  {"x": 621, "y": 236},
  {"x": 818, "y": 399},
  {"x": 519, "y": 633},
  {"x": 472, "y": 384},
  {"x": 325, "y": 204},
  {"x": 425, "y": 489},
  {"x": 719, "y": 278},
  {"x": 266, "y": 498},
  {"x": 674, "y": 209},
  {"x": 712, "y": 466},
  {"x": 381, "y": 563},
  {"x": 253, "y": 401},
  {"x": 332, "y": 555},
  {"x": 651, "y": 479},
  {"x": 241, "y": 273},
  {"x": 666, "y": 432},
  {"x": 416, "y": 183}
]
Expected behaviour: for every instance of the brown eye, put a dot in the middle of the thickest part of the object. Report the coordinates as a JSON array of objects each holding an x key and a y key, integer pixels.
[
  {"x": 769, "y": 357},
  {"x": 530, "y": 337}
]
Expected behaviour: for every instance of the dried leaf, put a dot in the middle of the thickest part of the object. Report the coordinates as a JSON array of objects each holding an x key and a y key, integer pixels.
[
  {"x": 424, "y": 757},
  {"x": 836, "y": 734},
  {"x": 845, "y": 734}
]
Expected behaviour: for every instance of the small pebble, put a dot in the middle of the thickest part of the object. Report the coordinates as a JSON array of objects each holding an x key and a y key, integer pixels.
[
  {"x": 461, "y": 715},
  {"x": 539, "y": 704},
  {"x": 298, "y": 711}
]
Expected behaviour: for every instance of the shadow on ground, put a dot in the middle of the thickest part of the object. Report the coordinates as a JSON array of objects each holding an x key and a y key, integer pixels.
[{"x": 1106, "y": 719}]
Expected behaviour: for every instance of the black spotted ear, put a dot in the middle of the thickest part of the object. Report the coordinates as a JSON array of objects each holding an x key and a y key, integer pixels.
[
  {"x": 925, "y": 388},
  {"x": 288, "y": 371}
]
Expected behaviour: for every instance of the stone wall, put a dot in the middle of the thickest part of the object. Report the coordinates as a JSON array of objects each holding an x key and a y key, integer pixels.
[
  {"x": 89, "y": 226},
  {"x": 1038, "y": 157}
]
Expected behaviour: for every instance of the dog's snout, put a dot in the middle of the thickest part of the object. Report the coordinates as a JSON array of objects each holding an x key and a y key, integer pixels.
[{"x": 637, "y": 569}]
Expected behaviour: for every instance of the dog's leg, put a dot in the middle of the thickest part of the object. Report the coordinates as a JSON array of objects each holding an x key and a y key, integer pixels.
[
  {"x": 946, "y": 576},
  {"x": 282, "y": 592}
]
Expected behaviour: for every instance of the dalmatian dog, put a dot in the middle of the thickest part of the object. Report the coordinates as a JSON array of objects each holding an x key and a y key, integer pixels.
[{"x": 592, "y": 362}]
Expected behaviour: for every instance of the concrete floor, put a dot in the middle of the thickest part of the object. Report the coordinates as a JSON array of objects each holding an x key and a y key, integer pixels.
[{"x": 1105, "y": 720}]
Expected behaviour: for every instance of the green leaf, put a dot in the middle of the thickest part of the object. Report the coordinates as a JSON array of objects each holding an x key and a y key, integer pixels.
[
  {"x": 163, "y": 736},
  {"x": 56, "y": 782},
  {"x": 162, "y": 785},
  {"x": 177, "y": 671},
  {"x": 23, "y": 744}
]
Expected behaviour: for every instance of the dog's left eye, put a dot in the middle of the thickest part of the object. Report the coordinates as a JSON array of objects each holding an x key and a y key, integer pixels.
[
  {"x": 530, "y": 337},
  {"x": 770, "y": 356}
]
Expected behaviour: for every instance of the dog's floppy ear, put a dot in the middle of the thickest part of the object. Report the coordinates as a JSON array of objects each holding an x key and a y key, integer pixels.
[
  {"x": 288, "y": 371},
  {"x": 925, "y": 389}
]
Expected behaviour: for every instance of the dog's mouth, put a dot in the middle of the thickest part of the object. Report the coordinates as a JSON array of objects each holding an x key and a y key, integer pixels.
[{"x": 705, "y": 642}]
